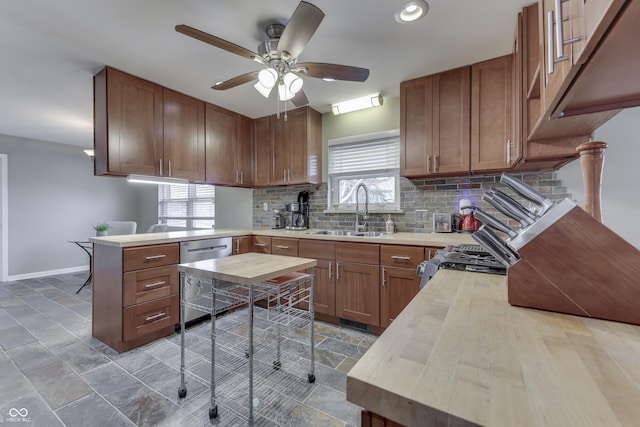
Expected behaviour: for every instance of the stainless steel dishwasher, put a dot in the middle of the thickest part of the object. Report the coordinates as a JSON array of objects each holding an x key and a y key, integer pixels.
[{"x": 198, "y": 250}]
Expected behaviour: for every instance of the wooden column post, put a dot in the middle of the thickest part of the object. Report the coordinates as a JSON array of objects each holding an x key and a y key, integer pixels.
[{"x": 591, "y": 161}]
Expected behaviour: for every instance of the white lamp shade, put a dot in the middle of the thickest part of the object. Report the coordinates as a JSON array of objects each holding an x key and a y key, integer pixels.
[
  {"x": 268, "y": 77},
  {"x": 284, "y": 93},
  {"x": 263, "y": 90},
  {"x": 292, "y": 82},
  {"x": 357, "y": 104}
]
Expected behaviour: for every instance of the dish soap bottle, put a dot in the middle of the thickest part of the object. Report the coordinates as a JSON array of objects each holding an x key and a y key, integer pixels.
[{"x": 391, "y": 226}]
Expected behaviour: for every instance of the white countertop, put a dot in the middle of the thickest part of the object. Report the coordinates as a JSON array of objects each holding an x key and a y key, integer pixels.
[{"x": 416, "y": 239}]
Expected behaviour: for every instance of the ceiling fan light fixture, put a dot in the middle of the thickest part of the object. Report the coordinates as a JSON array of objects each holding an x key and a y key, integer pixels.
[
  {"x": 268, "y": 77},
  {"x": 283, "y": 93},
  {"x": 292, "y": 82},
  {"x": 412, "y": 11},
  {"x": 263, "y": 90},
  {"x": 356, "y": 104}
]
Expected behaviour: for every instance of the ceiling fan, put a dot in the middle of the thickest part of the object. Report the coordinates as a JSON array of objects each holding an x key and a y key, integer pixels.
[{"x": 279, "y": 54}]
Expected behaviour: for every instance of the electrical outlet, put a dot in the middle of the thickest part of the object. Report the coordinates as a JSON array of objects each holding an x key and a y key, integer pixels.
[
  {"x": 265, "y": 206},
  {"x": 422, "y": 215}
]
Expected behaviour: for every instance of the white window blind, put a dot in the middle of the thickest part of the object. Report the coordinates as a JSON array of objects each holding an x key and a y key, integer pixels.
[
  {"x": 372, "y": 160},
  {"x": 189, "y": 206},
  {"x": 376, "y": 155}
]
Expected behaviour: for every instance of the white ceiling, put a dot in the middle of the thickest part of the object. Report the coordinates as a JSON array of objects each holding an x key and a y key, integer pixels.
[{"x": 49, "y": 51}]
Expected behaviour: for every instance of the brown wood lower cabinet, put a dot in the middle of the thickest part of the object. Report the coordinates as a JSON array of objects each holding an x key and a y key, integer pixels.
[
  {"x": 284, "y": 246},
  {"x": 135, "y": 294},
  {"x": 369, "y": 419},
  {"x": 241, "y": 244},
  {"x": 358, "y": 282},
  {"x": 324, "y": 294},
  {"x": 400, "y": 283},
  {"x": 261, "y": 244}
]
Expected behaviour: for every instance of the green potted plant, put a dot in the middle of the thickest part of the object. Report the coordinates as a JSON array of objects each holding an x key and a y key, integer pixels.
[{"x": 101, "y": 229}]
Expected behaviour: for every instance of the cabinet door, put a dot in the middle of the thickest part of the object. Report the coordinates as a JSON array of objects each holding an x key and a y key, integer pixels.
[
  {"x": 451, "y": 121},
  {"x": 128, "y": 124},
  {"x": 221, "y": 137},
  {"x": 491, "y": 101},
  {"x": 261, "y": 244},
  {"x": 241, "y": 245},
  {"x": 281, "y": 154},
  {"x": 399, "y": 286},
  {"x": 262, "y": 148},
  {"x": 296, "y": 134},
  {"x": 358, "y": 292},
  {"x": 284, "y": 246},
  {"x": 324, "y": 288},
  {"x": 244, "y": 153},
  {"x": 416, "y": 112},
  {"x": 183, "y": 124},
  {"x": 556, "y": 64}
]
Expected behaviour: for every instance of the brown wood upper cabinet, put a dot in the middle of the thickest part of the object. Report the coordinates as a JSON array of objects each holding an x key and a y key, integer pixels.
[
  {"x": 143, "y": 128},
  {"x": 228, "y": 147},
  {"x": 296, "y": 154},
  {"x": 435, "y": 124},
  {"x": 492, "y": 147}
]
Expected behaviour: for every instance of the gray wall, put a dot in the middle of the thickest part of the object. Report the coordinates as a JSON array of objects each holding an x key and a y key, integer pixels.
[
  {"x": 234, "y": 207},
  {"x": 620, "y": 189},
  {"x": 54, "y": 197}
]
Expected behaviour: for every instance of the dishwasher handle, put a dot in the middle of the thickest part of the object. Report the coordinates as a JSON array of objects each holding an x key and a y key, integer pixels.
[{"x": 207, "y": 249}]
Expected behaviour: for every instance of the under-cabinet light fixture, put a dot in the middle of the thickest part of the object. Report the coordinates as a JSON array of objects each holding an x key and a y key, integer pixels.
[
  {"x": 89, "y": 153},
  {"x": 156, "y": 180},
  {"x": 356, "y": 104}
]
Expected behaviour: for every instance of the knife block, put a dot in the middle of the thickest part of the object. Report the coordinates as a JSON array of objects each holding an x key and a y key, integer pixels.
[{"x": 578, "y": 266}]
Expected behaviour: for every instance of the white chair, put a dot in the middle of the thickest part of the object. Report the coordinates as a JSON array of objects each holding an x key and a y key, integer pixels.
[
  {"x": 117, "y": 228},
  {"x": 160, "y": 228}
]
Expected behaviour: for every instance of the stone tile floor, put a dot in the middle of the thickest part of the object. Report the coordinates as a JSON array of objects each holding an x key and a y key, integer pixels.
[{"x": 53, "y": 373}]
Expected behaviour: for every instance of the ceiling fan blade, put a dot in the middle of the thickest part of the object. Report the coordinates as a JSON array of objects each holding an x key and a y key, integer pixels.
[
  {"x": 303, "y": 24},
  {"x": 236, "y": 81},
  {"x": 216, "y": 41},
  {"x": 300, "y": 99},
  {"x": 334, "y": 71}
]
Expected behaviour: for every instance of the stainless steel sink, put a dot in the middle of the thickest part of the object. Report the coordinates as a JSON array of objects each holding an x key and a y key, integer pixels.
[{"x": 348, "y": 233}]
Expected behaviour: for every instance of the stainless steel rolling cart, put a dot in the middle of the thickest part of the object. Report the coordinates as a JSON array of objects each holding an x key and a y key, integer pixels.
[{"x": 252, "y": 369}]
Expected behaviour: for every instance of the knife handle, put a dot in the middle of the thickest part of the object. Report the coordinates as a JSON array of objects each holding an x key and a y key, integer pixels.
[
  {"x": 494, "y": 222},
  {"x": 523, "y": 189}
]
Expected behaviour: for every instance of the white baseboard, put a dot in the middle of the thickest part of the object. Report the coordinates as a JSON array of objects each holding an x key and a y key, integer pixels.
[{"x": 37, "y": 274}]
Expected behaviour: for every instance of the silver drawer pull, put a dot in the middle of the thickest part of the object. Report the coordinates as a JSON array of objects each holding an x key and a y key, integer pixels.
[
  {"x": 155, "y": 316},
  {"x": 149, "y": 258},
  {"x": 260, "y": 244},
  {"x": 282, "y": 247},
  {"x": 151, "y": 285},
  {"x": 407, "y": 258}
]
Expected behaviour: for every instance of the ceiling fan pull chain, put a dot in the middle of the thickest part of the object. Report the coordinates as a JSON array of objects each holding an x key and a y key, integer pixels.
[{"x": 277, "y": 107}]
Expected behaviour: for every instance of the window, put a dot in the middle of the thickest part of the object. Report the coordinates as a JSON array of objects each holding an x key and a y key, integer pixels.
[
  {"x": 190, "y": 206},
  {"x": 372, "y": 159}
]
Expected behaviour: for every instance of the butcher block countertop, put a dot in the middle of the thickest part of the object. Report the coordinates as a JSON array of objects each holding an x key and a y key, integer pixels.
[
  {"x": 416, "y": 239},
  {"x": 460, "y": 355}
]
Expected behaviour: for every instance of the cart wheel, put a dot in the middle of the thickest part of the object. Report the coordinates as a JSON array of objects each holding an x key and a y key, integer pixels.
[
  {"x": 246, "y": 354},
  {"x": 213, "y": 412},
  {"x": 277, "y": 365},
  {"x": 312, "y": 378},
  {"x": 182, "y": 391}
]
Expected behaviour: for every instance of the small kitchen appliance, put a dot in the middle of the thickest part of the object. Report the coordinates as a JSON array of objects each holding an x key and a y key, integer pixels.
[
  {"x": 467, "y": 223},
  {"x": 299, "y": 212},
  {"x": 277, "y": 220}
]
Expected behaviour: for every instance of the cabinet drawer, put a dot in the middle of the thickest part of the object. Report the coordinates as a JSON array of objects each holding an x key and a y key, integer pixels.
[
  {"x": 401, "y": 256},
  {"x": 284, "y": 246},
  {"x": 261, "y": 244},
  {"x": 150, "y": 256},
  {"x": 318, "y": 249},
  {"x": 362, "y": 253},
  {"x": 143, "y": 319},
  {"x": 152, "y": 283}
]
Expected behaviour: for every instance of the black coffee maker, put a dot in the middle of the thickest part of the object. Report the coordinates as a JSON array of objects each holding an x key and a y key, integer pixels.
[{"x": 299, "y": 212}]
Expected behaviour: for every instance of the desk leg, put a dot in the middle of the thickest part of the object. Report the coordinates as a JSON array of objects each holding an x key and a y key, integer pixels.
[
  {"x": 182, "y": 390},
  {"x": 213, "y": 409}
]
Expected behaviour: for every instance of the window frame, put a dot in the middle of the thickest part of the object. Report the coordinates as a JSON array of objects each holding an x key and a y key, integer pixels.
[
  {"x": 333, "y": 179},
  {"x": 190, "y": 201}
]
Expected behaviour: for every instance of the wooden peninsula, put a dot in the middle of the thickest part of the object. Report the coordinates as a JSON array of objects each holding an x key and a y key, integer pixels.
[{"x": 460, "y": 355}]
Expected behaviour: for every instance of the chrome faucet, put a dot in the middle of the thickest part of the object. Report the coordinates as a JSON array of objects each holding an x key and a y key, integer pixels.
[{"x": 366, "y": 207}]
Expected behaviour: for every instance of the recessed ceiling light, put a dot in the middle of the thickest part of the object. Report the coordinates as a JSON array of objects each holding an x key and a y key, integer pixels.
[{"x": 412, "y": 11}]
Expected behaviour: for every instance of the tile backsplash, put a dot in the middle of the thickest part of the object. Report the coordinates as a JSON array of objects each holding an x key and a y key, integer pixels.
[{"x": 433, "y": 195}]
